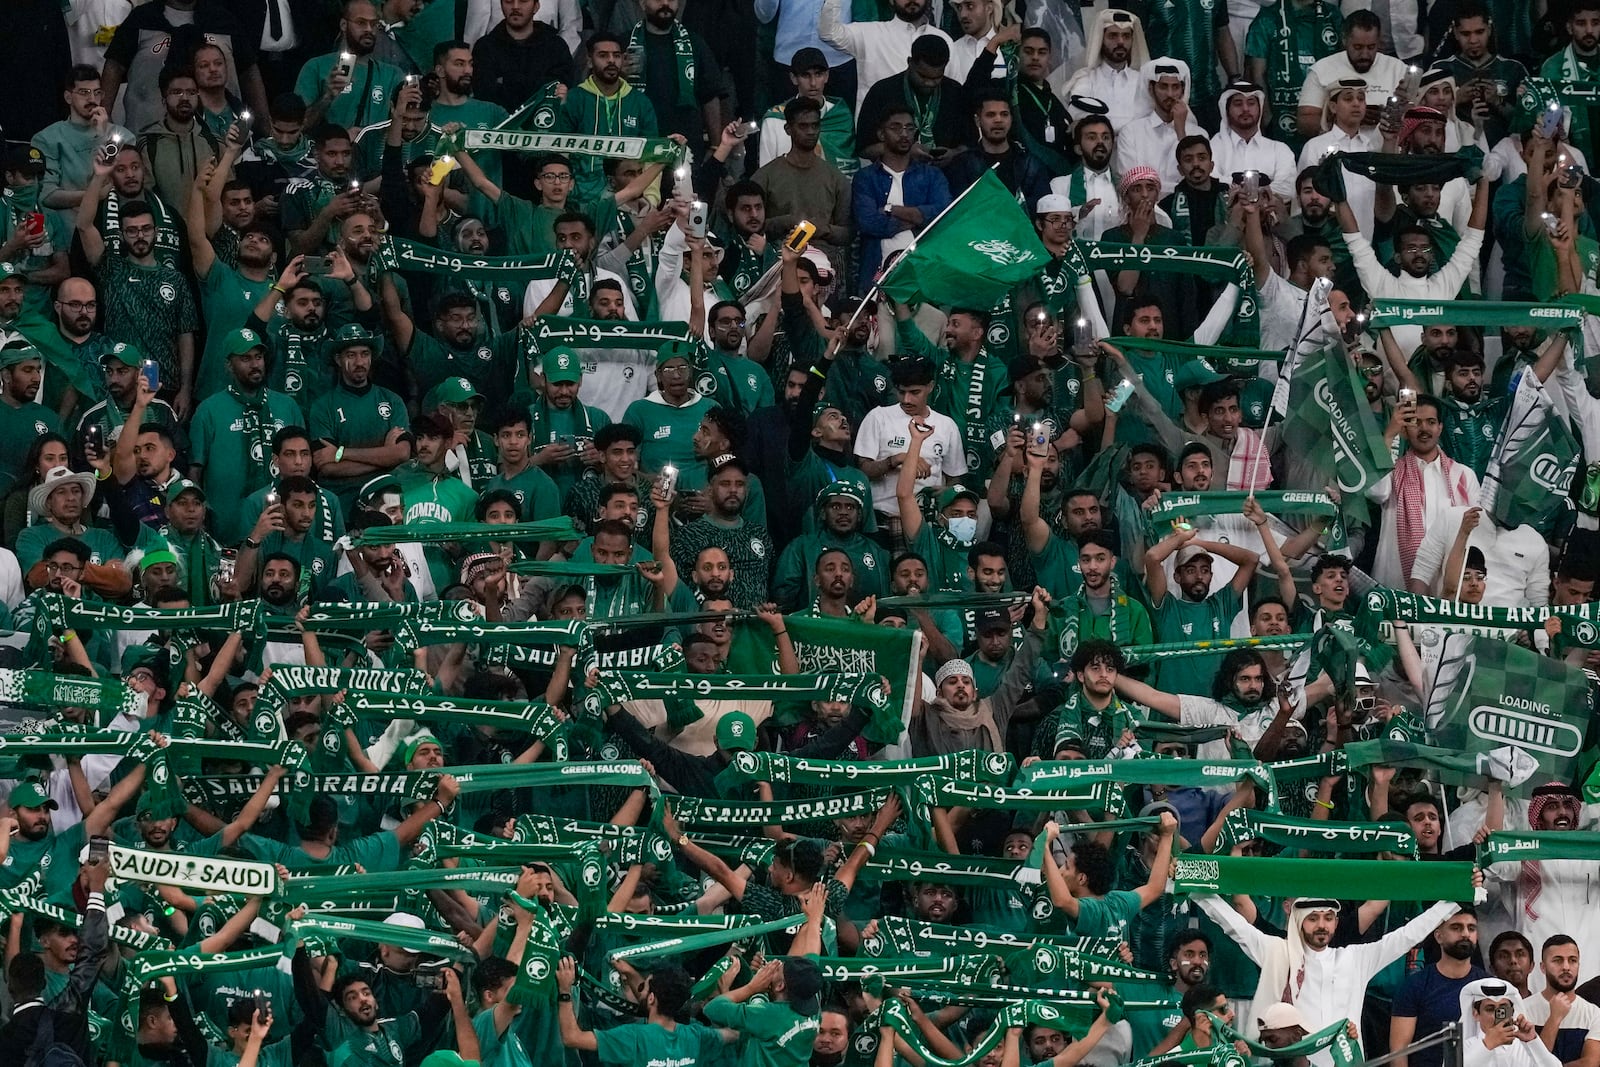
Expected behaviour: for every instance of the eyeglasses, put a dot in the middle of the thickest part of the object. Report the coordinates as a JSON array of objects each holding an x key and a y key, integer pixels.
[
  {"x": 52, "y": 567},
  {"x": 89, "y": 94},
  {"x": 901, "y": 127},
  {"x": 80, "y": 305},
  {"x": 133, "y": 231},
  {"x": 555, "y": 177}
]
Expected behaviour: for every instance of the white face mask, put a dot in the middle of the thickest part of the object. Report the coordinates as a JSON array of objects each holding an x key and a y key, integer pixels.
[{"x": 964, "y": 528}]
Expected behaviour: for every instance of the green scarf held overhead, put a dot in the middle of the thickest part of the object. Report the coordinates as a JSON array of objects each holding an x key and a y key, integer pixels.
[
  {"x": 557, "y": 568},
  {"x": 1375, "y": 879},
  {"x": 105, "y": 697},
  {"x": 779, "y": 769},
  {"x": 618, "y": 687},
  {"x": 505, "y": 636},
  {"x": 1316, "y": 835},
  {"x": 682, "y": 58},
  {"x": 535, "y": 718},
  {"x": 931, "y": 600},
  {"x": 606, "y": 334},
  {"x": 1535, "y": 94},
  {"x": 1230, "y": 356},
  {"x": 1558, "y": 315},
  {"x": 535, "y": 984},
  {"x": 585, "y": 858},
  {"x": 291, "y": 680},
  {"x": 204, "y": 874},
  {"x": 1396, "y": 169},
  {"x": 538, "y": 112},
  {"x": 1503, "y": 846},
  {"x": 1219, "y": 263},
  {"x": 698, "y": 812},
  {"x": 983, "y": 872},
  {"x": 1335, "y": 1037},
  {"x": 1201, "y": 774},
  {"x": 387, "y": 615},
  {"x": 645, "y": 149},
  {"x": 976, "y": 969},
  {"x": 56, "y": 613},
  {"x": 628, "y": 845},
  {"x": 427, "y": 942},
  {"x": 950, "y": 793},
  {"x": 626, "y": 774},
  {"x": 903, "y": 936},
  {"x": 438, "y": 533},
  {"x": 126, "y": 936},
  {"x": 1580, "y": 622},
  {"x": 692, "y": 943},
  {"x": 1174, "y": 506},
  {"x": 1179, "y": 649},
  {"x": 413, "y": 257},
  {"x": 195, "y": 715},
  {"x": 318, "y": 889},
  {"x": 185, "y": 964}
]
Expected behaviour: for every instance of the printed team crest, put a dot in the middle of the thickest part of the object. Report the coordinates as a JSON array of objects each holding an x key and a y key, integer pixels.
[
  {"x": 880, "y": 383},
  {"x": 868, "y": 562},
  {"x": 1044, "y": 961},
  {"x": 705, "y": 385},
  {"x": 1001, "y": 251},
  {"x": 385, "y": 409},
  {"x": 168, "y": 292},
  {"x": 40, "y": 428},
  {"x": 463, "y": 384},
  {"x": 485, "y": 353},
  {"x": 248, "y": 336},
  {"x": 1069, "y": 637},
  {"x": 563, "y": 361},
  {"x": 544, "y": 118},
  {"x": 757, "y": 547}
]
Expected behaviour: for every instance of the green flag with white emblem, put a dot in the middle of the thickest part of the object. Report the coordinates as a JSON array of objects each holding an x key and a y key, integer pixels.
[
  {"x": 1332, "y": 436},
  {"x": 972, "y": 254},
  {"x": 1529, "y": 479}
]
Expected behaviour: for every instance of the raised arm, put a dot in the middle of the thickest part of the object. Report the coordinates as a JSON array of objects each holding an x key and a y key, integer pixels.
[{"x": 911, "y": 468}]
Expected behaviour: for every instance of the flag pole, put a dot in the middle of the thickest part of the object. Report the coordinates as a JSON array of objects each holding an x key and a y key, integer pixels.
[{"x": 1291, "y": 354}]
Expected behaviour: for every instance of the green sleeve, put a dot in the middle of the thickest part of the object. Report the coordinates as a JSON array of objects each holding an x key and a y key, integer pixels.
[
  {"x": 724, "y": 1012},
  {"x": 1228, "y": 603},
  {"x": 408, "y": 1028},
  {"x": 1260, "y": 38},
  {"x": 308, "y": 86},
  {"x": 1142, "y": 633},
  {"x": 913, "y": 342},
  {"x": 322, "y": 425},
  {"x": 618, "y": 1045},
  {"x": 375, "y": 852}
]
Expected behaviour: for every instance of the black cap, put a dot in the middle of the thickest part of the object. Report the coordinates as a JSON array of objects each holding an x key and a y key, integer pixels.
[
  {"x": 930, "y": 49},
  {"x": 806, "y": 60},
  {"x": 991, "y": 620},
  {"x": 26, "y": 159}
]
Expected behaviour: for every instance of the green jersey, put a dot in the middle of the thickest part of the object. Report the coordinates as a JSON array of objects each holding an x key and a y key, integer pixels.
[
  {"x": 537, "y": 497},
  {"x": 355, "y": 417},
  {"x": 792, "y": 582},
  {"x": 490, "y": 367},
  {"x": 20, "y": 425},
  {"x": 1471, "y": 430},
  {"x": 315, "y": 556},
  {"x": 946, "y": 557},
  {"x": 775, "y": 1035},
  {"x": 353, "y": 1046},
  {"x": 376, "y": 852},
  {"x": 529, "y": 229},
  {"x": 1190, "y": 29},
  {"x": 496, "y": 1049},
  {"x": 148, "y": 306},
  {"x": 749, "y": 549},
  {"x": 574, "y": 425},
  {"x": 1289, "y": 36},
  {"x": 373, "y": 141},
  {"x": 1178, "y": 618},
  {"x": 277, "y": 1054},
  {"x": 735, "y": 382},
  {"x": 31, "y": 543},
  {"x": 668, "y": 430},
  {"x": 650, "y": 1045},
  {"x": 364, "y": 101},
  {"x": 226, "y": 296},
  {"x": 1107, "y": 916},
  {"x": 427, "y": 497},
  {"x": 56, "y": 854},
  {"x": 473, "y": 115},
  {"x": 233, "y": 443},
  {"x": 303, "y": 200}
]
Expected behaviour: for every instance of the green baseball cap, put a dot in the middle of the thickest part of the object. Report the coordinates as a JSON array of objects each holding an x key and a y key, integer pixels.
[
  {"x": 185, "y": 485},
  {"x": 414, "y": 742},
  {"x": 160, "y": 555},
  {"x": 454, "y": 390},
  {"x": 1194, "y": 374},
  {"x": 241, "y": 342},
  {"x": 30, "y": 794},
  {"x": 351, "y": 333},
  {"x": 736, "y": 730},
  {"x": 951, "y": 493},
  {"x": 689, "y": 351},
  {"x": 123, "y": 353},
  {"x": 446, "y": 1058},
  {"x": 561, "y": 364}
]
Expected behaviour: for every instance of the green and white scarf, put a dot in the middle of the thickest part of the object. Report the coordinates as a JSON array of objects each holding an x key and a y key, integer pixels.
[
  {"x": 1173, "y": 506},
  {"x": 105, "y": 697},
  {"x": 1199, "y": 774},
  {"x": 682, "y": 56},
  {"x": 1180, "y": 649},
  {"x": 1316, "y": 835},
  {"x": 1504, "y": 846},
  {"x": 435, "y": 533},
  {"x": 985, "y": 872},
  {"x": 1335, "y": 1038},
  {"x": 1580, "y": 622},
  {"x": 1230, "y": 356},
  {"x": 1214, "y": 263},
  {"x": 397, "y": 253},
  {"x": 1275, "y": 877},
  {"x": 780, "y": 769},
  {"x": 1557, "y": 315},
  {"x": 697, "y": 811}
]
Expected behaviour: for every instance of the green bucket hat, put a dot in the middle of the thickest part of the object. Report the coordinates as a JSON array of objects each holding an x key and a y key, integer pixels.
[{"x": 688, "y": 351}]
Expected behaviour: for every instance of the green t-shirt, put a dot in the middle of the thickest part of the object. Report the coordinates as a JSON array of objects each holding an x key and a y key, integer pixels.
[
  {"x": 428, "y": 497},
  {"x": 775, "y": 1035},
  {"x": 529, "y": 229},
  {"x": 31, "y": 543},
  {"x": 1290, "y": 38},
  {"x": 227, "y": 298},
  {"x": 219, "y": 444},
  {"x": 363, "y": 418},
  {"x": 537, "y": 496},
  {"x": 496, "y": 1049},
  {"x": 375, "y": 852},
  {"x": 649, "y": 1045},
  {"x": 352, "y": 1046},
  {"x": 277, "y": 1054},
  {"x": 947, "y": 560},
  {"x": 1150, "y": 1026},
  {"x": 668, "y": 431},
  {"x": 214, "y": 994},
  {"x": 19, "y": 427},
  {"x": 490, "y": 367},
  {"x": 364, "y": 101},
  {"x": 54, "y": 853},
  {"x": 1179, "y": 619},
  {"x": 1107, "y": 916},
  {"x": 148, "y": 306}
]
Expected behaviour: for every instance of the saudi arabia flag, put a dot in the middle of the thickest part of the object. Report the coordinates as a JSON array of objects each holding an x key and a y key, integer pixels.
[{"x": 972, "y": 254}]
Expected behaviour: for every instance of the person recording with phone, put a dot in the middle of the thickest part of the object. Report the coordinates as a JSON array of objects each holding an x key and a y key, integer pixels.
[{"x": 1494, "y": 1030}]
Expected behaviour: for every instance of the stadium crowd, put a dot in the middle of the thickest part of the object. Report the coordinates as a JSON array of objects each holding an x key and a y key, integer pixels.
[{"x": 680, "y": 533}]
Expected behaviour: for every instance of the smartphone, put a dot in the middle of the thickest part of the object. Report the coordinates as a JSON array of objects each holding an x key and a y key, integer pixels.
[
  {"x": 1412, "y": 83},
  {"x": 1571, "y": 176},
  {"x": 107, "y": 154},
  {"x": 346, "y": 64},
  {"x": 1502, "y": 1012},
  {"x": 1119, "y": 396},
  {"x": 699, "y": 215},
  {"x": 152, "y": 374},
  {"x": 800, "y": 236},
  {"x": 316, "y": 265},
  {"x": 1083, "y": 342},
  {"x": 1551, "y": 224},
  {"x": 1407, "y": 396},
  {"x": 1040, "y": 440},
  {"x": 412, "y": 80},
  {"x": 428, "y": 980},
  {"x": 749, "y": 129},
  {"x": 1550, "y": 121},
  {"x": 667, "y": 480},
  {"x": 94, "y": 439},
  {"x": 1252, "y": 187},
  {"x": 99, "y": 849},
  {"x": 271, "y": 499}
]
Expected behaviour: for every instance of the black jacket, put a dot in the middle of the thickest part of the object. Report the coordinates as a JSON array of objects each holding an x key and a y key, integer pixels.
[
  {"x": 65, "y": 1019},
  {"x": 509, "y": 72}
]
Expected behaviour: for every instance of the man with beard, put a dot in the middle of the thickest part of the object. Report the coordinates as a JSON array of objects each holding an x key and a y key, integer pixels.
[
  {"x": 1188, "y": 965},
  {"x": 1284, "y": 39},
  {"x": 858, "y": 382},
  {"x": 958, "y": 719},
  {"x": 1511, "y": 961},
  {"x": 147, "y": 300},
  {"x": 1242, "y": 697},
  {"x": 998, "y": 149},
  {"x": 452, "y": 66},
  {"x": 720, "y": 433},
  {"x": 1111, "y": 71},
  {"x": 1199, "y": 201},
  {"x": 1359, "y": 59},
  {"x": 678, "y": 74},
  {"x": 177, "y": 146},
  {"x": 969, "y": 379},
  {"x": 1151, "y": 139},
  {"x": 880, "y": 48},
  {"x": 563, "y": 295},
  {"x": 1241, "y": 145},
  {"x": 74, "y": 343},
  {"x": 1042, "y": 123},
  {"x": 299, "y": 335},
  {"x": 1090, "y": 188},
  {"x": 1578, "y": 61},
  {"x": 232, "y": 434},
  {"x": 410, "y": 130},
  {"x": 605, "y": 104},
  {"x": 737, "y": 382},
  {"x": 68, "y": 146},
  {"x": 711, "y": 575},
  {"x": 1309, "y": 257},
  {"x": 1416, "y": 494},
  {"x": 354, "y": 1029},
  {"x": 227, "y": 293},
  {"x": 834, "y": 584},
  {"x": 129, "y": 183},
  {"x": 1558, "y": 886},
  {"x": 360, "y": 428},
  {"x": 1197, "y": 614},
  {"x": 519, "y": 56},
  {"x": 1431, "y": 998},
  {"x": 349, "y": 87},
  {"x": 287, "y": 529},
  {"x": 748, "y": 545},
  {"x": 1568, "y": 1025},
  {"x": 22, "y": 417},
  {"x": 310, "y": 208},
  {"x": 937, "y": 102},
  {"x": 562, "y": 429},
  {"x": 33, "y": 844},
  {"x": 839, "y": 513},
  {"x": 291, "y": 458},
  {"x": 455, "y": 348},
  {"x": 1470, "y": 419}
]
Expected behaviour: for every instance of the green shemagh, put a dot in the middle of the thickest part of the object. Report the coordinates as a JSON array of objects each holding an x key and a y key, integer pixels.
[
  {"x": 1316, "y": 835},
  {"x": 1380, "y": 879},
  {"x": 1218, "y": 263},
  {"x": 1201, "y": 774},
  {"x": 682, "y": 57},
  {"x": 1174, "y": 506}
]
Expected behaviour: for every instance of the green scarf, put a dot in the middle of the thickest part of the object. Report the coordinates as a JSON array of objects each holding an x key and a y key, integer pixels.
[
  {"x": 646, "y": 149},
  {"x": 943, "y": 792},
  {"x": 618, "y": 687},
  {"x": 428, "y": 942},
  {"x": 106, "y": 697},
  {"x": 257, "y": 432},
  {"x": 779, "y": 769},
  {"x": 397, "y": 253},
  {"x": 976, "y": 969},
  {"x": 1334, "y": 1037},
  {"x": 1200, "y": 774},
  {"x": 712, "y": 938},
  {"x": 1217, "y": 355},
  {"x": 902, "y": 935},
  {"x": 1395, "y": 169},
  {"x": 535, "y": 982},
  {"x": 557, "y": 568},
  {"x": 1179, "y": 649},
  {"x": 1173, "y": 506},
  {"x": 322, "y": 888},
  {"x": 1504, "y": 845},
  {"x": 1316, "y": 835},
  {"x": 696, "y": 811},
  {"x": 984, "y": 872},
  {"x": 1377, "y": 879},
  {"x": 1229, "y": 265},
  {"x": 535, "y": 718},
  {"x": 682, "y": 56},
  {"x": 435, "y": 533},
  {"x": 1062, "y": 634},
  {"x": 1558, "y": 315},
  {"x": 292, "y": 680},
  {"x": 1581, "y": 622}
]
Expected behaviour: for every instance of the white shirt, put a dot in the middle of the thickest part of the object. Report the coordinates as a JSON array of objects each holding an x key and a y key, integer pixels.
[
  {"x": 1359, "y": 191},
  {"x": 883, "y": 434},
  {"x": 1150, "y": 141},
  {"x": 1518, "y": 560},
  {"x": 1581, "y": 1016},
  {"x": 1279, "y": 312},
  {"x": 964, "y": 52},
  {"x": 672, "y": 289},
  {"x": 1443, "y": 284},
  {"x": 1097, "y": 185},
  {"x": 85, "y": 21},
  {"x": 1335, "y": 978},
  {"x": 773, "y": 140},
  {"x": 1568, "y": 903},
  {"x": 880, "y": 48},
  {"x": 1386, "y": 73},
  {"x": 699, "y": 738},
  {"x": 1231, "y": 153},
  {"x": 1125, "y": 92},
  {"x": 1436, "y": 504},
  {"x": 540, "y": 288}
]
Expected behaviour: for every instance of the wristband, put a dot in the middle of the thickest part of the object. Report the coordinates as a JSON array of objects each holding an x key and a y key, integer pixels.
[
  {"x": 564, "y": 998},
  {"x": 69, "y": 636},
  {"x": 871, "y": 848},
  {"x": 779, "y": 633},
  {"x": 338, "y": 454},
  {"x": 276, "y": 288},
  {"x": 1324, "y": 803},
  {"x": 250, "y": 542},
  {"x": 101, "y": 476}
]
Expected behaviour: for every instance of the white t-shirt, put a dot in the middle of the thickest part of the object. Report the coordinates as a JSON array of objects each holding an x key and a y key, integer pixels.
[{"x": 883, "y": 434}]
